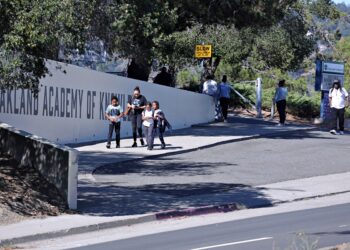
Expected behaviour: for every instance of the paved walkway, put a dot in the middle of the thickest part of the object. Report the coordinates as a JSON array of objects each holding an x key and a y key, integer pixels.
[
  {"x": 180, "y": 141},
  {"x": 113, "y": 190}
]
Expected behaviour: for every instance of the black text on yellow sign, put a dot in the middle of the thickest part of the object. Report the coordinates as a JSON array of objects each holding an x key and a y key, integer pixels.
[{"x": 203, "y": 51}]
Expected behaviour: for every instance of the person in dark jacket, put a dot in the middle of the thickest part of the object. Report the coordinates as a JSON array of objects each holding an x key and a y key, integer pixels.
[
  {"x": 136, "y": 105},
  {"x": 163, "y": 78}
]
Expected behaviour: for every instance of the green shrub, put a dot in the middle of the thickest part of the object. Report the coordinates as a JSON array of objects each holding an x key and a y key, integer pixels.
[
  {"x": 347, "y": 113},
  {"x": 188, "y": 79},
  {"x": 303, "y": 105}
]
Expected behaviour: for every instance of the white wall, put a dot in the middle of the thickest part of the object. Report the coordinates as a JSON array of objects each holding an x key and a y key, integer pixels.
[{"x": 55, "y": 116}]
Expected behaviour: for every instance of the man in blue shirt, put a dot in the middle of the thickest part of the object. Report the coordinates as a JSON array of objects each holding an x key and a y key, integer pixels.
[{"x": 225, "y": 94}]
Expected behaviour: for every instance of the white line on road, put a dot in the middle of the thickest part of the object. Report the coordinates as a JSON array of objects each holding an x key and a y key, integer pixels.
[{"x": 233, "y": 243}]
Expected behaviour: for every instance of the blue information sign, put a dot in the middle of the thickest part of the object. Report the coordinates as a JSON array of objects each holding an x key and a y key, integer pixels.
[{"x": 326, "y": 73}]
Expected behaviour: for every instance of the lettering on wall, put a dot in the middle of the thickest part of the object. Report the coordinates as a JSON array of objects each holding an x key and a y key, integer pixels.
[{"x": 58, "y": 102}]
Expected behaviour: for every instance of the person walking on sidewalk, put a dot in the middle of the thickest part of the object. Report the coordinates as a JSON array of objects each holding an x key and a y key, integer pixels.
[
  {"x": 338, "y": 100},
  {"x": 225, "y": 94},
  {"x": 281, "y": 101},
  {"x": 148, "y": 122},
  {"x": 210, "y": 87},
  {"x": 160, "y": 123},
  {"x": 113, "y": 113},
  {"x": 136, "y": 105}
]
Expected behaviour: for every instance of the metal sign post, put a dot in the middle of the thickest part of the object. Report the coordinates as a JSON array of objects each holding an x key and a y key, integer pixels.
[
  {"x": 258, "y": 87},
  {"x": 258, "y": 90}
]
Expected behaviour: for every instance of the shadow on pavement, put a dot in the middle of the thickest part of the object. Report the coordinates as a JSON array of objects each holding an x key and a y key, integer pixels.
[
  {"x": 116, "y": 201},
  {"x": 109, "y": 196},
  {"x": 167, "y": 167}
]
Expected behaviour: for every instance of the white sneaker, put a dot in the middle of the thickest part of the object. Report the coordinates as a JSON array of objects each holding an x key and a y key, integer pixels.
[
  {"x": 341, "y": 132},
  {"x": 280, "y": 125},
  {"x": 333, "y": 132}
]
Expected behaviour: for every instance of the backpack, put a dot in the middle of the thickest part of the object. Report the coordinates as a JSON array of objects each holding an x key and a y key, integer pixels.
[{"x": 163, "y": 124}]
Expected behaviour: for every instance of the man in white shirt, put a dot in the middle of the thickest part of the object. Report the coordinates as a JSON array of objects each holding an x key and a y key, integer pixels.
[
  {"x": 338, "y": 100},
  {"x": 210, "y": 87}
]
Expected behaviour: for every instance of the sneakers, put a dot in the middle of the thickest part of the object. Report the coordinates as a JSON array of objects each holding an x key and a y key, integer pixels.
[
  {"x": 108, "y": 146},
  {"x": 280, "y": 125},
  {"x": 225, "y": 121},
  {"x": 134, "y": 145},
  {"x": 341, "y": 132},
  {"x": 333, "y": 132},
  {"x": 142, "y": 142},
  {"x": 162, "y": 146},
  {"x": 118, "y": 146}
]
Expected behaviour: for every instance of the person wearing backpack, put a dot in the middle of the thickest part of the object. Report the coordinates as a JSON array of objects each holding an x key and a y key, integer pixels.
[
  {"x": 338, "y": 100},
  {"x": 160, "y": 123},
  {"x": 148, "y": 123}
]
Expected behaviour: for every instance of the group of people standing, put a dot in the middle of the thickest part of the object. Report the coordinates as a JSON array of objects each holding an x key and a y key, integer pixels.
[
  {"x": 338, "y": 99},
  {"x": 221, "y": 93},
  {"x": 145, "y": 117}
]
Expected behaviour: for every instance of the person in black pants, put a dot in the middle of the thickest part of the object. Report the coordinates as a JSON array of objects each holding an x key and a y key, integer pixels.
[
  {"x": 136, "y": 105},
  {"x": 159, "y": 123},
  {"x": 225, "y": 94},
  {"x": 113, "y": 114},
  {"x": 281, "y": 101},
  {"x": 338, "y": 100}
]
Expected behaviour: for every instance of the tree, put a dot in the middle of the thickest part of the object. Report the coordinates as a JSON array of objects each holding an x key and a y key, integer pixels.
[{"x": 32, "y": 31}]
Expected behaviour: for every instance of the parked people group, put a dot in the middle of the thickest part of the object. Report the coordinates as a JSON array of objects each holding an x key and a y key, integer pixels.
[{"x": 146, "y": 119}]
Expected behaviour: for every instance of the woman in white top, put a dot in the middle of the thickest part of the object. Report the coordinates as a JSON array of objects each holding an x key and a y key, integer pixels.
[
  {"x": 148, "y": 122},
  {"x": 281, "y": 101},
  {"x": 338, "y": 100}
]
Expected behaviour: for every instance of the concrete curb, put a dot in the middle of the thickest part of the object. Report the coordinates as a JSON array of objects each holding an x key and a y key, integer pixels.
[
  {"x": 198, "y": 211},
  {"x": 258, "y": 136},
  {"x": 171, "y": 214},
  {"x": 78, "y": 230}
]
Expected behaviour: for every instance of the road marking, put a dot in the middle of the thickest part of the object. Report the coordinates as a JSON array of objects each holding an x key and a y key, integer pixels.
[
  {"x": 233, "y": 243},
  {"x": 342, "y": 226}
]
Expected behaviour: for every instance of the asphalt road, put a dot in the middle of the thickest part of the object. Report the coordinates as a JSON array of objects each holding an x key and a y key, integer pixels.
[
  {"x": 218, "y": 175},
  {"x": 327, "y": 226},
  {"x": 294, "y": 155}
]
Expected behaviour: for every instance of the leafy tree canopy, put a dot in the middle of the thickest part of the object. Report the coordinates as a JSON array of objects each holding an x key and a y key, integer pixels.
[{"x": 258, "y": 33}]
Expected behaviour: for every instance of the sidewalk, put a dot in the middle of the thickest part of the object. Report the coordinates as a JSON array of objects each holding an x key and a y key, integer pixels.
[
  {"x": 181, "y": 141},
  {"x": 39, "y": 229},
  {"x": 107, "y": 203}
]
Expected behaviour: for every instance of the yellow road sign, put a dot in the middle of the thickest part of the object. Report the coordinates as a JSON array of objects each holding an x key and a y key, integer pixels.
[{"x": 203, "y": 51}]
